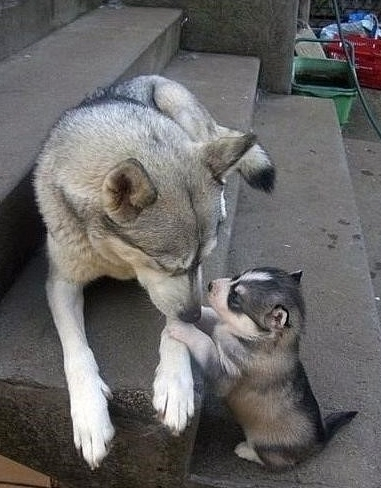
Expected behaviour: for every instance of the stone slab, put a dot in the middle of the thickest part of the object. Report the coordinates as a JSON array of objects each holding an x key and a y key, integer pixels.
[
  {"x": 23, "y": 22},
  {"x": 38, "y": 83}
]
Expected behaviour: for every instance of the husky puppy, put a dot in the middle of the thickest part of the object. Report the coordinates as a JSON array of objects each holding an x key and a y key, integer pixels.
[
  {"x": 129, "y": 185},
  {"x": 248, "y": 344}
]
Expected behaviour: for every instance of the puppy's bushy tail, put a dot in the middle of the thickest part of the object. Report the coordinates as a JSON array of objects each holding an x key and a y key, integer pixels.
[{"x": 335, "y": 421}]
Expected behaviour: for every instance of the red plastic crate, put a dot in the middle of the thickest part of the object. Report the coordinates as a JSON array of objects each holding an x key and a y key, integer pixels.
[{"x": 367, "y": 54}]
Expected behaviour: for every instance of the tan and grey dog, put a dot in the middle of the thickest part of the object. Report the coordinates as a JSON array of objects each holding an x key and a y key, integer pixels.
[
  {"x": 129, "y": 184},
  {"x": 248, "y": 344}
]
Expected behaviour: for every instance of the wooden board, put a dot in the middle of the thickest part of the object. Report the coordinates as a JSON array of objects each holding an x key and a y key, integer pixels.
[{"x": 13, "y": 473}]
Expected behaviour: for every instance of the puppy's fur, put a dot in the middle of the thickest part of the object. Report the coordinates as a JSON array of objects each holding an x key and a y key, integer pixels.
[
  {"x": 129, "y": 185},
  {"x": 248, "y": 343}
]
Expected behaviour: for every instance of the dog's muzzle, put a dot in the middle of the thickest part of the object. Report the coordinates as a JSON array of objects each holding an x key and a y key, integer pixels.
[{"x": 190, "y": 315}]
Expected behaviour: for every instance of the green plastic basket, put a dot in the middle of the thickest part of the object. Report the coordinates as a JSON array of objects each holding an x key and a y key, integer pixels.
[{"x": 325, "y": 78}]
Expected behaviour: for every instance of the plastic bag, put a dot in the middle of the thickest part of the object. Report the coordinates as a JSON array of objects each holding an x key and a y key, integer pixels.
[{"x": 367, "y": 27}]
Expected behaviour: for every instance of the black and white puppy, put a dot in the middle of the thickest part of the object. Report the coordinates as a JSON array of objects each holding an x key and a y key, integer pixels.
[{"x": 248, "y": 345}]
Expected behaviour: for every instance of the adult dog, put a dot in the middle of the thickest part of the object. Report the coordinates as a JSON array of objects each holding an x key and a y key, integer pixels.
[{"x": 129, "y": 185}]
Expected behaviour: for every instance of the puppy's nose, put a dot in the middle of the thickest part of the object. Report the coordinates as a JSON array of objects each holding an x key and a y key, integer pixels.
[
  {"x": 190, "y": 315},
  {"x": 210, "y": 285}
]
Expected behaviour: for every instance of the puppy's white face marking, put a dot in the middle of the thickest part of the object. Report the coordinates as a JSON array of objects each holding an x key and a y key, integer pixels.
[
  {"x": 240, "y": 289},
  {"x": 254, "y": 276},
  {"x": 218, "y": 295}
]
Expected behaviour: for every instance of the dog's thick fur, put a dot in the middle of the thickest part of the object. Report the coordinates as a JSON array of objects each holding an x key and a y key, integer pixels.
[
  {"x": 248, "y": 344},
  {"x": 129, "y": 185}
]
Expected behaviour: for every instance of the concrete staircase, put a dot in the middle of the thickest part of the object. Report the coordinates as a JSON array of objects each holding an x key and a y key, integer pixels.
[{"x": 310, "y": 222}]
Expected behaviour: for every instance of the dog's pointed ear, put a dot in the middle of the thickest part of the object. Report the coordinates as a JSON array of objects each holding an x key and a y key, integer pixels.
[
  {"x": 277, "y": 318},
  {"x": 297, "y": 275},
  {"x": 224, "y": 153},
  {"x": 127, "y": 190}
]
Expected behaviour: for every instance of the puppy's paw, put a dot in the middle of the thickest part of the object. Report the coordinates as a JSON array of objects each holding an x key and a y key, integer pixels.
[
  {"x": 179, "y": 331},
  {"x": 244, "y": 451},
  {"x": 173, "y": 398},
  {"x": 92, "y": 427}
]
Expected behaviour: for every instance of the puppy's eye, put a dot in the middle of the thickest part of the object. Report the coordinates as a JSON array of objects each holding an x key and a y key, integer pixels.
[{"x": 234, "y": 301}]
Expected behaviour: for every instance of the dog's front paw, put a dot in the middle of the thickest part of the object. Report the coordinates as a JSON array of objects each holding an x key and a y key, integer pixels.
[
  {"x": 173, "y": 398},
  {"x": 92, "y": 428}
]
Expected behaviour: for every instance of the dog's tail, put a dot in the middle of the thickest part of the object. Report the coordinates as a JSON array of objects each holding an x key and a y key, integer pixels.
[
  {"x": 257, "y": 169},
  {"x": 335, "y": 421}
]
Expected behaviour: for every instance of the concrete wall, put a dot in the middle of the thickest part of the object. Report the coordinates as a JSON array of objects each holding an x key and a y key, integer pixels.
[
  {"x": 262, "y": 28},
  {"x": 23, "y": 22}
]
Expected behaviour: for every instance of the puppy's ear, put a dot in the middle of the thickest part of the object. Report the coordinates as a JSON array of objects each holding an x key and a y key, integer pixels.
[
  {"x": 223, "y": 154},
  {"x": 277, "y": 318},
  {"x": 127, "y": 190},
  {"x": 297, "y": 275}
]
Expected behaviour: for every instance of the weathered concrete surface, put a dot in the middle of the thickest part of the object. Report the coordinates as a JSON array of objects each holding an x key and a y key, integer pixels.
[
  {"x": 21, "y": 231},
  {"x": 358, "y": 126},
  {"x": 23, "y": 22},
  {"x": 123, "y": 329},
  {"x": 38, "y": 83},
  {"x": 310, "y": 223},
  {"x": 364, "y": 158},
  {"x": 265, "y": 29},
  {"x": 56, "y": 73},
  {"x": 363, "y": 149}
]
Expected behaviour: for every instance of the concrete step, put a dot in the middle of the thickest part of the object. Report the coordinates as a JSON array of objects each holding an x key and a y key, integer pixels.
[
  {"x": 123, "y": 329},
  {"x": 364, "y": 166},
  {"x": 38, "y": 83},
  {"x": 23, "y": 22},
  {"x": 310, "y": 223}
]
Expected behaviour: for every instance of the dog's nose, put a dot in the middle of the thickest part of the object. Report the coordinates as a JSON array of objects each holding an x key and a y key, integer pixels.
[
  {"x": 190, "y": 315},
  {"x": 210, "y": 285}
]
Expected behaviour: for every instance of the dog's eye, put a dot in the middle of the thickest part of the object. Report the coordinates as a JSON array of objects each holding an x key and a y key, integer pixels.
[{"x": 234, "y": 301}]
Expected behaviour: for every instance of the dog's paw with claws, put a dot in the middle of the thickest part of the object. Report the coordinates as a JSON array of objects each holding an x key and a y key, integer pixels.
[
  {"x": 92, "y": 427},
  {"x": 173, "y": 399}
]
